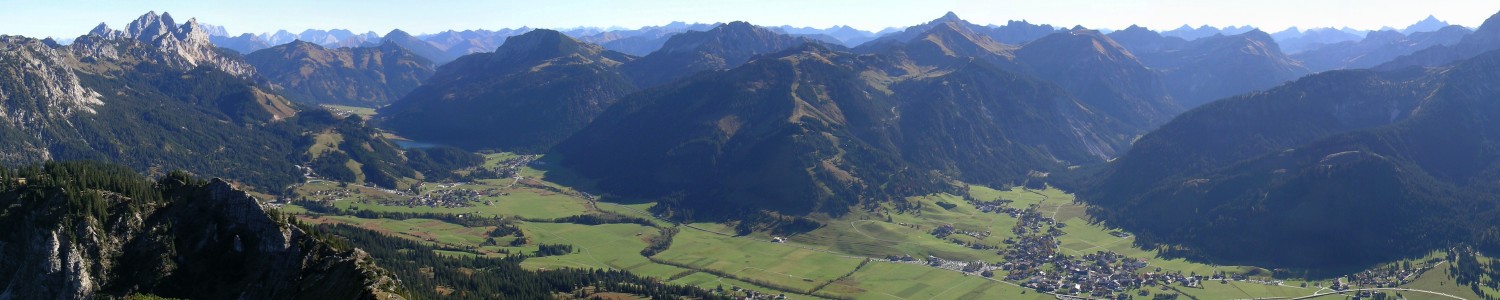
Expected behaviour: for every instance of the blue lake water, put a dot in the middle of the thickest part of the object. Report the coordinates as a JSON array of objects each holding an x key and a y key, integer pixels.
[{"x": 405, "y": 144}]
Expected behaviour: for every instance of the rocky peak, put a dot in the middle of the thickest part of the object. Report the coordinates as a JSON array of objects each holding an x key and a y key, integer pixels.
[
  {"x": 192, "y": 32},
  {"x": 150, "y": 27},
  {"x": 104, "y": 31},
  {"x": 1431, "y": 23},
  {"x": 949, "y": 17},
  {"x": 185, "y": 45},
  {"x": 397, "y": 34}
]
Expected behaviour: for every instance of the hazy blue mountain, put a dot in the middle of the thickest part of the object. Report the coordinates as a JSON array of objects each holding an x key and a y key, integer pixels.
[
  {"x": 1020, "y": 32},
  {"x": 643, "y": 41},
  {"x": 1484, "y": 39},
  {"x": 1376, "y": 48},
  {"x": 460, "y": 43},
  {"x": 840, "y": 35},
  {"x": 1216, "y": 67},
  {"x": 418, "y": 46},
  {"x": 1429, "y": 24},
  {"x": 1142, "y": 40},
  {"x": 722, "y": 47},
  {"x": 244, "y": 43},
  {"x": 279, "y": 37},
  {"x": 1189, "y": 33},
  {"x": 1312, "y": 39}
]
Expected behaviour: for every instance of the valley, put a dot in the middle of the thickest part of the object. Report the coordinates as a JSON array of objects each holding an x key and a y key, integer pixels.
[{"x": 890, "y": 252}]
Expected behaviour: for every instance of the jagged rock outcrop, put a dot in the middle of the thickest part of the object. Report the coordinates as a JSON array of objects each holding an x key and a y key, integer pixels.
[
  {"x": 182, "y": 238},
  {"x": 185, "y": 45}
]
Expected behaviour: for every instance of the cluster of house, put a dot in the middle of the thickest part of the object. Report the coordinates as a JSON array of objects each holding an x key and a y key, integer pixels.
[
  {"x": 330, "y": 195},
  {"x": 745, "y": 293},
  {"x": 449, "y": 198},
  {"x": 946, "y": 230},
  {"x": 992, "y": 206},
  {"x": 1380, "y": 278}
]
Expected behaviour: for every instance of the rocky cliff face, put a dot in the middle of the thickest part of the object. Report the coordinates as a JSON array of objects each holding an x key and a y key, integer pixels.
[
  {"x": 36, "y": 82},
  {"x": 185, "y": 45},
  {"x": 200, "y": 240}
]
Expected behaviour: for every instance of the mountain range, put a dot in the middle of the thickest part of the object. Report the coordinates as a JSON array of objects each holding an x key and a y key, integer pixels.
[
  {"x": 816, "y": 128},
  {"x": 1377, "y": 48},
  {"x": 158, "y": 96},
  {"x": 1342, "y": 168}
]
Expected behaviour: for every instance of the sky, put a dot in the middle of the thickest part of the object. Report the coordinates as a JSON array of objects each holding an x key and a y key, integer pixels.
[{"x": 69, "y": 18}]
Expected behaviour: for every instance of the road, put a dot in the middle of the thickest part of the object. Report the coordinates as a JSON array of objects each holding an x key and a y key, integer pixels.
[{"x": 1365, "y": 289}]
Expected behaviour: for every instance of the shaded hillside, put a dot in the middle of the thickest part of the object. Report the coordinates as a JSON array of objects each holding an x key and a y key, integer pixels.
[
  {"x": 1340, "y": 169},
  {"x": 534, "y": 91},
  {"x": 819, "y": 130},
  {"x": 1103, "y": 74},
  {"x": 364, "y": 76},
  {"x": 86, "y": 230}
]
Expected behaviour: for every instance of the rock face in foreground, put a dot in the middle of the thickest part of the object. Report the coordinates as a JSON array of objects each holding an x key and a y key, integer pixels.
[{"x": 116, "y": 235}]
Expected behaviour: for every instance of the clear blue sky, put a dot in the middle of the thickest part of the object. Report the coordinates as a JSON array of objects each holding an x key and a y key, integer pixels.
[{"x": 68, "y": 18}]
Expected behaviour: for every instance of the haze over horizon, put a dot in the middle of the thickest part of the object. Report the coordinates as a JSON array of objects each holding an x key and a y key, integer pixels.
[{"x": 63, "y": 19}]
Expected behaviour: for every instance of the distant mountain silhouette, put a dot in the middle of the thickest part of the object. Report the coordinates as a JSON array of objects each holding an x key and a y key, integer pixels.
[
  {"x": 1484, "y": 39},
  {"x": 1377, "y": 48}
]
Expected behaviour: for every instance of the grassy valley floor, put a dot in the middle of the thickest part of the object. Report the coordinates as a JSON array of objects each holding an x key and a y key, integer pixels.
[{"x": 849, "y": 258}]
